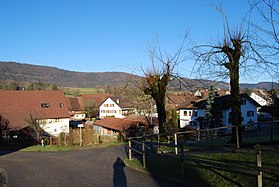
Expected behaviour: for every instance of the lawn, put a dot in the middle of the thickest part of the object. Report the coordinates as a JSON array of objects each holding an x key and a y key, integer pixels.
[
  {"x": 39, "y": 148},
  {"x": 70, "y": 91},
  {"x": 214, "y": 169}
]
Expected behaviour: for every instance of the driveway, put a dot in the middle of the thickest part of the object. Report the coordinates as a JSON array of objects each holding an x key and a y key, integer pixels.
[{"x": 94, "y": 167}]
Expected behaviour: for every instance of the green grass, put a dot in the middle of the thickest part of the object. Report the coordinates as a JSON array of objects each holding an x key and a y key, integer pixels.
[
  {"x": 70, "y": 91},
  {"x": 202, "y": 170},
  {"x": 39, "y": 148}
]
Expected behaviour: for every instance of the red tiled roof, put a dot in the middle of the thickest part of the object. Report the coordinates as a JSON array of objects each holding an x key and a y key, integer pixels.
[
  {"x": 96, "y": 99},
  {"x": 181, "y": 100},
  {"x": 17, "y": 106},
  {"x": 118, "y": 124}
]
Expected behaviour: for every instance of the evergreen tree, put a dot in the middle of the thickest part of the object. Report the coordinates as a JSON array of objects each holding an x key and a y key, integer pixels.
[{"x": 213, "y": 92}]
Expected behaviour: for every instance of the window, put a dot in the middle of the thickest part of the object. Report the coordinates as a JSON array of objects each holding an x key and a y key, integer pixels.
[
  {"x": 103, "y": 111},
  {"x": 250, "y": 113},
  {"x": 112, "y": 111},
  {"x": 111, "y": 105},
  {"x": 106, "y": 105},
  {"x": 190, "y": 113},
  {"x": 243, "y": 101},
  {"x": 107, "y": 111},
  {"x": 195, "y": 113},
  {"x": 44, "y": 105},
  {"x": 185, "y": 113},
  {"x": 61, "y": 105}
]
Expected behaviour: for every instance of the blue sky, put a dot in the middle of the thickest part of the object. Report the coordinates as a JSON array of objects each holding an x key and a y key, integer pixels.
[{"x": 99, "y": 36}]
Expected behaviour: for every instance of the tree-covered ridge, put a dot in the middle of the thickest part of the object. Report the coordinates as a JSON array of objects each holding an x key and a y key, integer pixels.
[{"x": 12, "y": 73}]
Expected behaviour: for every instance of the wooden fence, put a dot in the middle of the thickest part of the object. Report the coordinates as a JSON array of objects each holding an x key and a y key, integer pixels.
[{"x": 145, "y": 145}]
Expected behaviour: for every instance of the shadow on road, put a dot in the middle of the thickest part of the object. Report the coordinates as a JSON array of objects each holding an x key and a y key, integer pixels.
[{"x": 119, "y": 177}]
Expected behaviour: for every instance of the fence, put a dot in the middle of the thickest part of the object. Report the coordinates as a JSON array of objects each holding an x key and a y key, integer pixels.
[{"x": 177, "y": 144}]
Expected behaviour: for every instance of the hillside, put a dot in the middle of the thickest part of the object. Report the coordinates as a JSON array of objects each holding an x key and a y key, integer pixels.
[{"x": 32, "y": 73}]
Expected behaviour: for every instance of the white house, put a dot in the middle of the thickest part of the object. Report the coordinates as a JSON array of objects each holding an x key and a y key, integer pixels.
[
  {"x": 118, "y": 107},
  {"x": 195, "y": 113},
  {"x": 110, "y": 108},
  {"x": 48, "y": 108}
]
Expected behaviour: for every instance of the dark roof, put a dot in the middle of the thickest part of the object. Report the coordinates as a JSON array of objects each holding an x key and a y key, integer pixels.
[
  {"x": 273, "y": 110},
  {"x": 222, "y": 102},
  {"x": 17, "y": 106},
  {"x": 74, "y": 104},
  {"x": 122, "y": 102}
]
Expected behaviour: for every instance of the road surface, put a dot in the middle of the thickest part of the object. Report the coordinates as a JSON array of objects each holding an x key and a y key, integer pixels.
[{"x": 94, "y": 167}]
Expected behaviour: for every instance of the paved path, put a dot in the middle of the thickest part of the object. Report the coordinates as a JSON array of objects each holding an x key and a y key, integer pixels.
[{"x": 94, "y": 167}]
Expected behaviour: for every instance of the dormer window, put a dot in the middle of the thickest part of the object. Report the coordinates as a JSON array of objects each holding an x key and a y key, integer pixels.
[
  {"x": 44, "y": 105},
  {"x": 61, "y": 105}
]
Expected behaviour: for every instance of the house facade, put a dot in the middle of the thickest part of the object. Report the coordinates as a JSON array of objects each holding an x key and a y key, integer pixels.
[
  {"x": 117, "y": 107},
  {"x": 48, "y": 108},
  {"x": 110, "y": 108},
  {"x": 195, "y": 113}
]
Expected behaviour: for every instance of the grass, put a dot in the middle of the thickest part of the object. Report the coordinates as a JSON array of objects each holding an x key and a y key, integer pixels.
[
  {"x": 80, "y": 91},
  {"x": 39, "y": 148},
  {"x": 213, "y": 169}
]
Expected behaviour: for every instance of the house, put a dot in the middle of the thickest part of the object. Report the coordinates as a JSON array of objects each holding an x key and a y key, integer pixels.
[
  {"x": 118, "y": 107},
  {"x": 48, "y": 108},
  {"x": 77, "y": 105},
  {"x": 76, "y": 108},
  {"x": 106, "y": 104},
  {"x": 195, "y": 113}
]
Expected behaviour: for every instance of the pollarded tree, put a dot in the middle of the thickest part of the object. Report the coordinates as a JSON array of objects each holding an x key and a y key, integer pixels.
[
  {"x": 157, "y": 78},
  {"x": 226, "y": 58}
]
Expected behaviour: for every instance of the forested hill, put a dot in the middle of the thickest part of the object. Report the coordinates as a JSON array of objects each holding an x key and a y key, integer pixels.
[{"x": 33, "y": 73}]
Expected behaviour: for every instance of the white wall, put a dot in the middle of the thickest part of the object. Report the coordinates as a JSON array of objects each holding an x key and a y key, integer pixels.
[
  {"x": 184, "y": 120},
  {"x": 110, "y": 108},
  {"x": 187, "y": 115},
  {"x": 79, "y": 116},
  {"x": 55, "y": 126},
  {"x": 244, "y": 109}
]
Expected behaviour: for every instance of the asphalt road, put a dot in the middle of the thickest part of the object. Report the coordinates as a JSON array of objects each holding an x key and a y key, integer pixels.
[{"x": 94, "y": 167}]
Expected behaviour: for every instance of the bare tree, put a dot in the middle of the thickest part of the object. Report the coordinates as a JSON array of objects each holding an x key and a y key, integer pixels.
[
  {"x": 227, "y": 58},
  {"x": 157, "y": 78},
  {"x": 266, "y": 30},
  {"x": 35, "y": 128},
  {"x": 91, "y": 109}
]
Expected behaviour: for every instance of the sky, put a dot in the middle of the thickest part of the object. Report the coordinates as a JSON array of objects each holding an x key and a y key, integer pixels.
[{"x": 107, "y": 35}]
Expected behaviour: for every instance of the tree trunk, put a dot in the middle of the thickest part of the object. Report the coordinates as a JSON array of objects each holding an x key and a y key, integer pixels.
[
  {"x": 235, "y": 101},
  {"x": 161, "y": 115}
]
